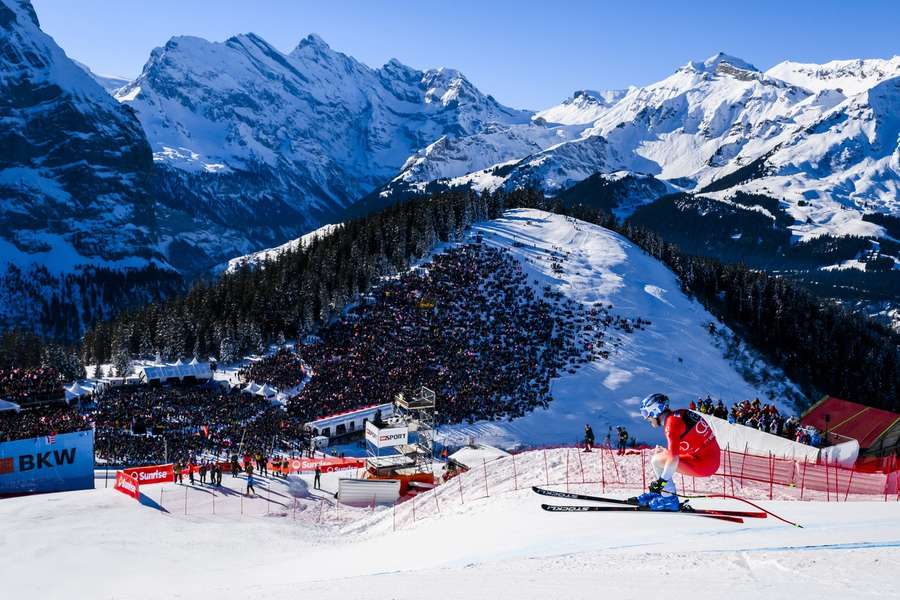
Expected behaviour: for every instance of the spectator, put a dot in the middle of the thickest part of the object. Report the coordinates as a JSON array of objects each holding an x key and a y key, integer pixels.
[{"x": 588, "y": 438}]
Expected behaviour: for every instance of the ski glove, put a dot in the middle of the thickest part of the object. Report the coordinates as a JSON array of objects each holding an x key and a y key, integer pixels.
[{"x": 657, "y": 486}]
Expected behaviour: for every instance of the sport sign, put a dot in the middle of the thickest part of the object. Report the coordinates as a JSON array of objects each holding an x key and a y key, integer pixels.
[{"x": 386, "y": 438}]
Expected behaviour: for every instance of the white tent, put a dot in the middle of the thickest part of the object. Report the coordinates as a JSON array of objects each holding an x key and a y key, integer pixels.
[
  {"x": 267, "y": 391},
  {"x": 251, "y": 388},
  {"x": 179, "y": 370},
  {"x": 7, "y": 405},
  {"x": 194, "y": 362},
  {"x": 76, "y": 391},
  {"x": 179, "y": 363}
]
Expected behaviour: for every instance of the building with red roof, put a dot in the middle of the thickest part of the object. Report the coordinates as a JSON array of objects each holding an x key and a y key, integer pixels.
[{"x": 876, "y": 430}]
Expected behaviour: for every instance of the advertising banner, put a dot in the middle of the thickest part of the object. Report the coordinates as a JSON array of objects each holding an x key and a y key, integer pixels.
[
  {"x": 128, "y": 484},
  {"x": 386, "y": 438},
  {"x": 326, "y": 465},
  {"x": 53, "y": 463},
  {"x": 153, "y": 474}
]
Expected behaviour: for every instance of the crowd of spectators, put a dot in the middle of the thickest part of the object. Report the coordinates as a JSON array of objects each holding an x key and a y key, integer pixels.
[
  {"x": 40, "y": 421},
  {"x": 467, "y": 325},
  {"x": 149, "y": 424},
  {"x": 24, "y": 386},
  {"x": 283, "y": 370},
  {"x": 763, "y": 417}
]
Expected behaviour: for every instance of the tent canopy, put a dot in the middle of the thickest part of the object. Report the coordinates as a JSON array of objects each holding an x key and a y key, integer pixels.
[
  {"x": 7, "y": 405},
  {"x": 872, "y": 427}
]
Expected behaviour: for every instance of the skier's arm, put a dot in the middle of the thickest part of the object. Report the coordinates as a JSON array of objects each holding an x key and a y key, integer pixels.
[{"x": 674, "y": 430}]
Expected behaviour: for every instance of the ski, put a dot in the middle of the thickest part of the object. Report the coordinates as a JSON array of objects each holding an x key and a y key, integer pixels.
[
  {"x": 574, "y": 496},
  {"x": 589, "y": 498},
  {"x": 694, "y": 513}
]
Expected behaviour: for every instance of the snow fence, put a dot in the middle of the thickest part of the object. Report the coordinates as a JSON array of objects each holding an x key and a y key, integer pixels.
[{"x": 604, "y": 471}]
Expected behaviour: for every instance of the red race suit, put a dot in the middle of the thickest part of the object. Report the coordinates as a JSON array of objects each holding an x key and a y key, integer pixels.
[{"x": 692, "y": 440}]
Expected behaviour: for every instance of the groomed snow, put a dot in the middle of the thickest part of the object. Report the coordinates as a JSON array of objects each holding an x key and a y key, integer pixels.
[
  {"x": 100, "y": 544},
  {"x": 675, "y": 354}
]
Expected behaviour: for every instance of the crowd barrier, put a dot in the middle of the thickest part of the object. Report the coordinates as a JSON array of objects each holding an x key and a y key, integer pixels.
[{"x": 604, "y": 471}]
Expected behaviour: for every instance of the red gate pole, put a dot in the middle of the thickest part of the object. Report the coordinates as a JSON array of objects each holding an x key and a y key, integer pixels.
[
  {"x": 743, "y": 462},
  {"x": 771, "y": 475},
  {"x": 827, "y": 483},
  {"x": 567, "y": 469},
  {"x": 484, "y": 466},
  {"x": 515, "y": 474}
]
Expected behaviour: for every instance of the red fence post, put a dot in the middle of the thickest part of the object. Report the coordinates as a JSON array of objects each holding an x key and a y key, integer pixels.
[
  {"x": 603, "y": 474},
  {"x": 743, "y": 462},
  {"x": 771, "y": 475},
  {"x": 849, "y": 483},
  {"x": 827, "y": 483},
  {"x": 643, "y": 472},
  {"x": 580, "y": 466}
]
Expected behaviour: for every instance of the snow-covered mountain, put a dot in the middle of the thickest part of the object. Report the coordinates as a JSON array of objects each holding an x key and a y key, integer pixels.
[
  {"x": 74, "y": 163},
  {"x": 585, "y": 106},
  {"x": 257, "y": 146},
  {"x": 821, "y": 137}
]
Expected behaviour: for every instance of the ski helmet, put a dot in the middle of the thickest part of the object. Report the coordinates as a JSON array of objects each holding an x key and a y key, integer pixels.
[{"x": 654, "y": 405}]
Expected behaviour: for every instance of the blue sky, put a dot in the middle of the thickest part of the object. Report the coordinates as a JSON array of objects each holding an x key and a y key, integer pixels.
[{"x": 527, "y": 54}]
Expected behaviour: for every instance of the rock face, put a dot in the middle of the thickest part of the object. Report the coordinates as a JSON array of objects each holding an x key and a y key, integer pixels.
[
  {"x": 254, "y": 146},
  {"x": 75, "y": 165}
]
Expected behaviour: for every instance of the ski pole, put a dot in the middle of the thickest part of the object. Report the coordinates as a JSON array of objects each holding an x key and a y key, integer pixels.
[{"x": 746, "y": 502}]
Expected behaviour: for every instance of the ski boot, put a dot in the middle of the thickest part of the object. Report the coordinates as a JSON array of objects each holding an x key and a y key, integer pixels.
[
  {"x": 665, "y": 503},
  {"x": 644, "y": 500}
]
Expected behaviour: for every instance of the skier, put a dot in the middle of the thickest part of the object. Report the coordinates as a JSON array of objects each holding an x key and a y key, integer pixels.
[
  {"x": 692, "y": 450},
  {"x": 250, "y": 482}
]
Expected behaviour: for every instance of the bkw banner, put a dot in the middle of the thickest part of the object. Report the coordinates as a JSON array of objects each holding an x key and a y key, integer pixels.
[{"x": 54, "y": 463}]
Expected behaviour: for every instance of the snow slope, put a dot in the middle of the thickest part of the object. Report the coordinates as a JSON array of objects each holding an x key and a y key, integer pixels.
[
  {"x": 104, "y": 545},
  {"x": 675, "y": 355},
  {"x": 272, "y": 253}
]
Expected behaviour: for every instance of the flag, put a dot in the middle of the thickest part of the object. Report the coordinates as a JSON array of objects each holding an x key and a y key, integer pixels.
[{"x": 205, "y": 430}]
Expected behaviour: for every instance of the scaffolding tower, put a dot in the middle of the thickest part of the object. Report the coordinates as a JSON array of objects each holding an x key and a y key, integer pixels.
[{"x": 418, "y": 412}]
